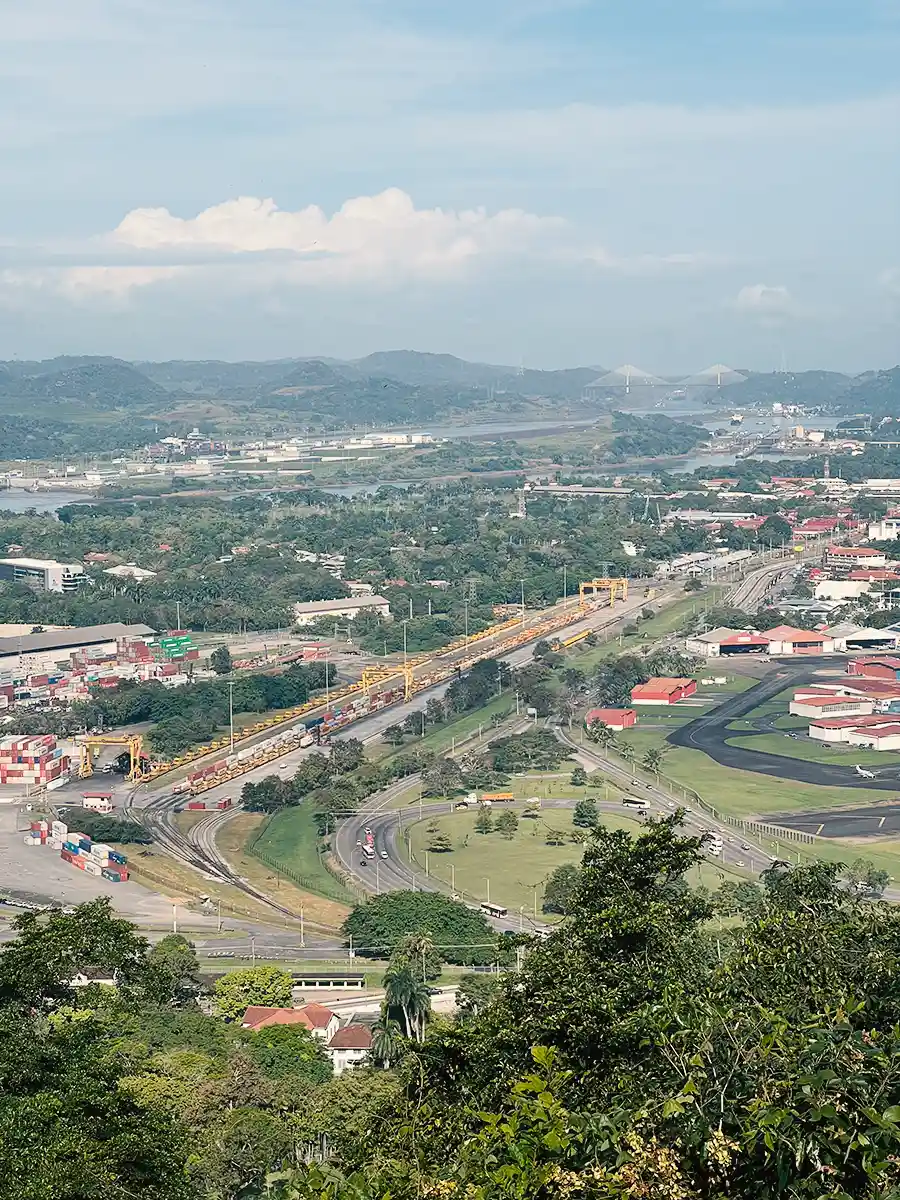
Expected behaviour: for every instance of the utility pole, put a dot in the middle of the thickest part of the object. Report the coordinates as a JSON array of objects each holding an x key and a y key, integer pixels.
[
  {"x": 488, "y": 882},
  {"x": 404, "y": 645},
  {"x": 178, "y": 614},
  {"x": 219, "y": 921},
  {"x": 427, "y": 870},
  {"x": 252, "y": 949},
  {"x": 302, "y": 930},
  {"x": 174, "y": 918},
  {"x": 522, "y": 584},
  {"x": 327, "y": 690},
  {"x": 565, "y": 586},
  {"x": 231, "y": 711},
  {"x": 466, "y": 609},
  {"x": 452, "y": 877}
]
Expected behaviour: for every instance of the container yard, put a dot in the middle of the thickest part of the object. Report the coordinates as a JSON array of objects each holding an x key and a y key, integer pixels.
[
  {"x": 77, "y": 849},
  {"x": 33, "y": 762}
]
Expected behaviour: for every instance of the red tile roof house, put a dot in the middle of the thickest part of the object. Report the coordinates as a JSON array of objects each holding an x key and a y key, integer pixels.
[
  {"x": 349, "y": 1046},
  {"x": 320, "y": 1021}
]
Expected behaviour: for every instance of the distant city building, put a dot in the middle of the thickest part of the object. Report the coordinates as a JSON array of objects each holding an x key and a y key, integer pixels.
[
  {"x": 349, "y": 608},
  {"x": 44, "y": 575}
]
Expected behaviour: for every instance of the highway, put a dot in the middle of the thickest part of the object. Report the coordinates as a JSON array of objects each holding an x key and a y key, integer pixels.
[{"x": 155, "y": 804}]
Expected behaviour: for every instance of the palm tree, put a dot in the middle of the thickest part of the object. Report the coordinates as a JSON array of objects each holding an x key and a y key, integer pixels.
[
  {"x": 386, "y": 1041},
  {"x": 626, "y": 751},
  {"x": 653, "y": 758},
  {"x": 405, "y": 996},
  {"x": 601, "y": 735}
]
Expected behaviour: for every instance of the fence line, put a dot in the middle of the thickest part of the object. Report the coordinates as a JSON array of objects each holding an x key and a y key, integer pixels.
[{"x": 315, "y": 886}]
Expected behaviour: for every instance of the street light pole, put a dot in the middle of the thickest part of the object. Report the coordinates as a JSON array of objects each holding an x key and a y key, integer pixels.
[
  {"x": 327, "y": 690},
  {"x": 466, "y": 608},
  {"x": 522, "y": 584},
  {"x": 405, "y": 623},
  {"x": 488, "y": 882},
  {"x": 231, "y": 711}
]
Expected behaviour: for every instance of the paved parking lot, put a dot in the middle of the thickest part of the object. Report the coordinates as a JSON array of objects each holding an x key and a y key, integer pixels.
[{"x": 39, "y": 874}]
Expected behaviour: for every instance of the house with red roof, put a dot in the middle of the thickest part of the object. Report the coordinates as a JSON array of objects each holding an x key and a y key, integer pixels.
[
  {"x": 320, "y": 1021},
  {"x": 349, "y": 1046}
]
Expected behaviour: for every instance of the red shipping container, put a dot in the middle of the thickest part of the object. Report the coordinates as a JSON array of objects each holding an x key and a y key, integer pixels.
[
  {"x": 223, "y": 804},
  {"x": 196, "y": 805}
]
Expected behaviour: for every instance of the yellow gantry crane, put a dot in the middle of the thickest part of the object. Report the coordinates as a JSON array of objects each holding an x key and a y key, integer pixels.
[
  {"x": 592, "y": 587},
  {"x": 373, "y": 675},
  {"x": 90, "y": 744}
]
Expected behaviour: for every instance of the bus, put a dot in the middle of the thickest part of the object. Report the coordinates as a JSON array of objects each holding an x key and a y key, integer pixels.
[
  {"x": 636, "y": 802},
  {"x": 493, "y": 910},
  {"x": 497, "y": 797}
]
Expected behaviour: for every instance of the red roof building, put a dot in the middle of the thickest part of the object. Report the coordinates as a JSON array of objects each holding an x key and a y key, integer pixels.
[
  {"x": 887, "y": 668},
  {"x": 784, "y": 639},
  {"x": 349, "y": 1046},
  {"x": 320, "y": 1021},
  {"x": 613, "y": 718},
  {"x": 662, "y": 690}
]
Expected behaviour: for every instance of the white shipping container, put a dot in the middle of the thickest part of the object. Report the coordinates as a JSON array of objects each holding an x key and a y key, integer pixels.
[
  {"x": 93, "y": 868},
  {"x": 54, "y": 843},
  {"x": 30, "y": 841}
]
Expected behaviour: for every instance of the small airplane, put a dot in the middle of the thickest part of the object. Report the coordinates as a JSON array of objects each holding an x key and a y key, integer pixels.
[{"x": 863, "y": 774}]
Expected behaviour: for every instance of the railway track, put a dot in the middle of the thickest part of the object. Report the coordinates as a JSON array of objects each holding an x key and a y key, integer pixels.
[{"x": 196, "y": 848}]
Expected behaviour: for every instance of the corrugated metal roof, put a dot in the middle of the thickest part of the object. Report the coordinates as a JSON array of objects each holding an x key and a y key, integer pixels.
[{"x": 66, "y": 639}]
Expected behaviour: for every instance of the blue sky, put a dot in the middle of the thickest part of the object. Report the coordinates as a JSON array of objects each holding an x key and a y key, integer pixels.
[{"x": 543, "y": 181}]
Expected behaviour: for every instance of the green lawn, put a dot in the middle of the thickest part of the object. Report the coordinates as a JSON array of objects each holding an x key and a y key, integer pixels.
[
  {"x": 812, "y": 751},
  {"x": 290, "y": 843},
  {"x": 515, "y": 870},
  {"x": 744, "y": 793}
]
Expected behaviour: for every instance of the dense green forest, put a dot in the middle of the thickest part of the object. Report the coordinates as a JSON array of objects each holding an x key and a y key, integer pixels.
[
  {"x": 662, "y": 1043},
  {"x": 460, "y": 534}
]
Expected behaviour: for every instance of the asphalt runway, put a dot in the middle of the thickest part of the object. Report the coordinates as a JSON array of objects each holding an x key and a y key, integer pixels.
[
  {"x": 709, "y": 733},
  {"x": 878, "y": 820}
]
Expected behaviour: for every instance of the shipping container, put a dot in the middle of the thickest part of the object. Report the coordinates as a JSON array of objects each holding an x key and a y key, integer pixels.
[
  {"x": 224, "y": 804},
  {"x": 196, "y": 805}
]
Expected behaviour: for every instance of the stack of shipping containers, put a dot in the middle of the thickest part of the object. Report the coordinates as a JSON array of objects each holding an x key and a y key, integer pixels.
[
  {"x": 33, "y": 762},
  {"x": 94, "y": 858}
]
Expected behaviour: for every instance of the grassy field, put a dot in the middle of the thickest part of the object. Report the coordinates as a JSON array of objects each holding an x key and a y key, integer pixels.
[
  {"x": 745, "y": 793},
  {"x": 291, "y": 840},
  {"x": 515, "y": 870},
  {"x": 808, "y": 750},
  {"x": 232, "y": 841}
]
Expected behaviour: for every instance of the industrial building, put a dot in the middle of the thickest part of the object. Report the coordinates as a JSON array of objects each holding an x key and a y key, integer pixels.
[
  {"x": 36, "y": 650},
  {"x": 831, "y": 706},
  {"x": 661, "y": 690},
  {"x": 853, "y": 638},
  {"x": 43, "y": 575},
  {"x": 854, "y": 556},
  {"x": 784, "y": 639},
  {"x": 724, "y": 643},
  {"x": 613, "y": 718},
  {"x": 885, "y": 667},
  {"x": 347, "y": 609}
]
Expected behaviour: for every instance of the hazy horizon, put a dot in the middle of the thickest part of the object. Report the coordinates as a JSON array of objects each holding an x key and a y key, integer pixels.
[{"x": 549, "y": 183}]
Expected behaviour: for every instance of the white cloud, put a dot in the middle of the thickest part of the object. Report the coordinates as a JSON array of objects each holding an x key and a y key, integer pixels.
[
  {"x": 759, "y": 299},
  {"x": 250, "y": 243}
]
